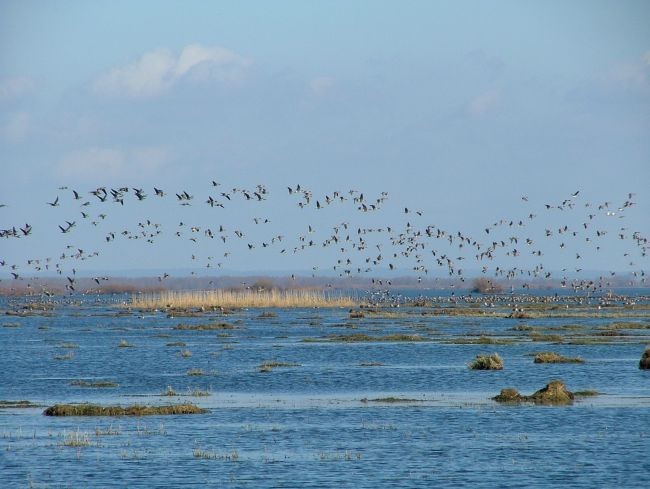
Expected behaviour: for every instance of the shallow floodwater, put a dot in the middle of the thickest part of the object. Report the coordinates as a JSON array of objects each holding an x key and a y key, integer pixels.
[{"x": 316, "y": 423}]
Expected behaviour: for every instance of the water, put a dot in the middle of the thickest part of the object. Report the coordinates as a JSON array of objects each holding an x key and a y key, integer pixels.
[{"x": 315, "y": 424}]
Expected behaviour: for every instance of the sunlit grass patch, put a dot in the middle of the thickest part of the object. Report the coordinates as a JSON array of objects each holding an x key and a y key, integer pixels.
[
  {"x": 487, "y": 362},
  {"x": 125, "y": 344},
  {"x": 552, "y": 357}
]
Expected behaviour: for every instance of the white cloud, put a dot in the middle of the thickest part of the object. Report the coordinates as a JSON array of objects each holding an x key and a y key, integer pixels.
[
  {"x": 635, "y": 74},
  {"x": 158, "y": 71},
  {"x": 483, "y": 103},
  {"x": 98, "y": 164},
  {"x": 17, "y": 127},
  {"x": 11, "y": 88},
  {"x": 321, "y": 85}
]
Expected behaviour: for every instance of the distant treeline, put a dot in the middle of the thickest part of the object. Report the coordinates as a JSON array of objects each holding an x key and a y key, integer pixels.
[{"x": 128, "y": 285}]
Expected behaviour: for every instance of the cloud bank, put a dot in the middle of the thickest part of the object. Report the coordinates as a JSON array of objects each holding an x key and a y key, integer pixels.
[
  {"x": 157, "y": 72},
  {"x": 97, "y": 164}
]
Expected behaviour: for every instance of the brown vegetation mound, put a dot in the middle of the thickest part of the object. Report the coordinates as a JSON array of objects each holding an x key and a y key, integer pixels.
[
  {"x": 509, "y": 395},
  {"x": 135, "y": 410},
  {"x": 554, "y": 393},
  {"x": 644, "y": 363}
]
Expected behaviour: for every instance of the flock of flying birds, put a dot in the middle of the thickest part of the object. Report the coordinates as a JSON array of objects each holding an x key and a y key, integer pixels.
[{"x": 413, "y": 245}]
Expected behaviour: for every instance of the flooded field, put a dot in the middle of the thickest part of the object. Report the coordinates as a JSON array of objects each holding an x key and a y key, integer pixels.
[{"x": 323, "y": 397}]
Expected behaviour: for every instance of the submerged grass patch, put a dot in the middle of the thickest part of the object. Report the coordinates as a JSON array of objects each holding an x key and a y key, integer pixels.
[
  {"x": 232, "y": 456},
  {"x": 391, "y": 400},
  {"x": 195, "y": 372},
  {"x": 204, "y": 327},
  {"x": 362, "y": 337},
  {"x": 134, "y": 410},
  {"x": 99, "y": 384},
  {"x": 481, "y": 340},
  {"x": 551, "y": 338},
  {"x": 270, "y": 365},
  {"x": 22, "y": 404},
  {"x": 66, "y": 356}
]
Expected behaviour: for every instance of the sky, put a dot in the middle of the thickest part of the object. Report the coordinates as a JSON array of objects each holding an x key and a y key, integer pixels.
[{"x": 456, "y": 109}]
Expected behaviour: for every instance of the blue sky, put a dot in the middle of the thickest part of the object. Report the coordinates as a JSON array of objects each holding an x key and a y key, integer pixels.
[{"x": 454, "y": 108}]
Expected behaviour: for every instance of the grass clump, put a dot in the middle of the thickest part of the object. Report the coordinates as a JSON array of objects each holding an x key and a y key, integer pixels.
[
  {"x": 487, "y": 362},
  {"x": 125, "y": 344},
  {"x": 195, "y": 372},
  {"x": 552, "y": 357},
  {"x": 76, "y": 440},
  {"x": 185, "y": 353},
  {"x": 134, "y": 410}
]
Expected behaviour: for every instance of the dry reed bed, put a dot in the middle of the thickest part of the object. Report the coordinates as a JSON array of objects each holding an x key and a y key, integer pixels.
[{"x": 241, "y": 298}]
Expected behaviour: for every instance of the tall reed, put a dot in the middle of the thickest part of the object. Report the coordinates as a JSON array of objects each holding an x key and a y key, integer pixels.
[{"x": 229, "y": 298}]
